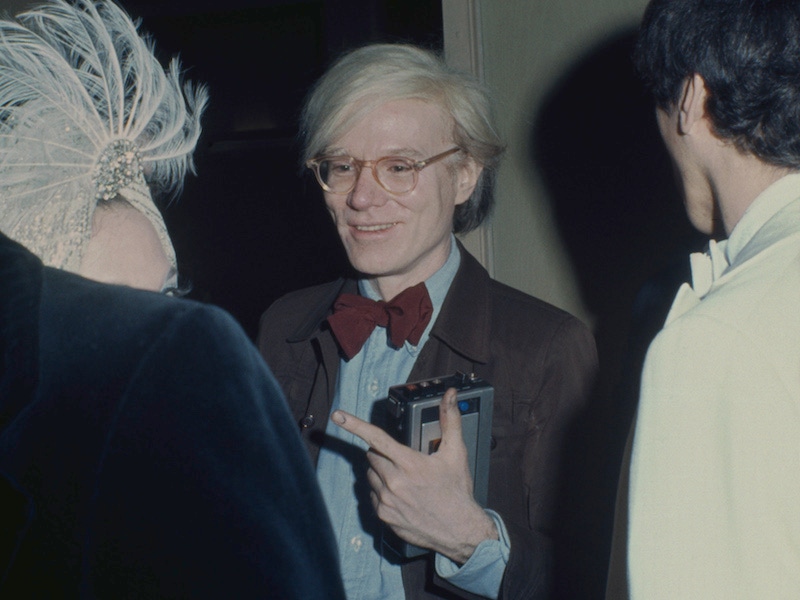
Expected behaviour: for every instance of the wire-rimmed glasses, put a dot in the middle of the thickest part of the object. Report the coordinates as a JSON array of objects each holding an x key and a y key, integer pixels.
[{"x": 395, "y": 174}]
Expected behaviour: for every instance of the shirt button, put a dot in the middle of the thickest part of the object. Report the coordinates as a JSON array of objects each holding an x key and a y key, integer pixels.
[
  {"x": 307, "y": 421},
  {"x": 356, "y": 542},
  {"x": 374, "y": 388}
]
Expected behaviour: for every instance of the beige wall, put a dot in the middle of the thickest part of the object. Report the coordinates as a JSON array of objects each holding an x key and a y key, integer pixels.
[{"x": 526, "y": 45}]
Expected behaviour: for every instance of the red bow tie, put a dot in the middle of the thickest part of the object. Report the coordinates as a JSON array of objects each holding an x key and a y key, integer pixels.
[{"x": 405, "y": 318}]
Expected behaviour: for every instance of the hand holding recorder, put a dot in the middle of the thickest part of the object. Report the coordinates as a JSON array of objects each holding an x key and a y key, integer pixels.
[{"x": 427, "y": 499}]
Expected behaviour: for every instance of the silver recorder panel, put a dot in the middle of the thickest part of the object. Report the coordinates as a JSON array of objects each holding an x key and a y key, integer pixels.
[{"x": 413, "y": 419}]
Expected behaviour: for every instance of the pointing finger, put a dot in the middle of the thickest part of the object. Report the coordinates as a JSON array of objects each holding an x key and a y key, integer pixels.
[{"x": 375, "y": 437}]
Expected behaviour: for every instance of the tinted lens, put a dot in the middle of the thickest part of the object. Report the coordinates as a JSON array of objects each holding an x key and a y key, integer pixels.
[
  {"x": 396, "y": 174},
  {"x": 338, "y": 174}
]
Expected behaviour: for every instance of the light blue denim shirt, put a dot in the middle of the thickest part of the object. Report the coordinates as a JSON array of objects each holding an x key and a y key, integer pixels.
[{"x": 369, "y": 570}]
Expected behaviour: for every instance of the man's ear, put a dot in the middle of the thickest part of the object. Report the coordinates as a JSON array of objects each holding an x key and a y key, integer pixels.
[
  {"x": 692, "y": 107},
  {"x": 468, "y": 173}
]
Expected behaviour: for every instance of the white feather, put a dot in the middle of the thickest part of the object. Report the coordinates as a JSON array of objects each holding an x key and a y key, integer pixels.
[{"x": 74, "y": 77}]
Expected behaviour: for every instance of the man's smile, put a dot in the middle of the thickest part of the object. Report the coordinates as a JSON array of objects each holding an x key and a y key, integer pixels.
[{"x": 380, "y": 227}]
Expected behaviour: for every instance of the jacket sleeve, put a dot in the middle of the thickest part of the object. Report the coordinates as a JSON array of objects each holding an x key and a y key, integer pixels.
[{"x": 205, "y": 486}]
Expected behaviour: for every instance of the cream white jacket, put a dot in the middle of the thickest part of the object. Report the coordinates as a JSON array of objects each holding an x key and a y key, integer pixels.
[{"x": 715, "y": 474}]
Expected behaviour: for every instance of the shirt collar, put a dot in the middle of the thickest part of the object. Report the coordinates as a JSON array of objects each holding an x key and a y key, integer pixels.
[{"x": 438, "y": 284}]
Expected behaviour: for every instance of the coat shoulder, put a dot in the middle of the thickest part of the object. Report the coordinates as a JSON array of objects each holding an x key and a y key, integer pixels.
[
  {"x": 298, "y": 303},
  {"x": 296, "y": 316}
]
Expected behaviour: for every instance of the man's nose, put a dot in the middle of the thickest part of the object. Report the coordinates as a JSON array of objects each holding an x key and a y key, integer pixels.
[{"x": 367, "y": 191}]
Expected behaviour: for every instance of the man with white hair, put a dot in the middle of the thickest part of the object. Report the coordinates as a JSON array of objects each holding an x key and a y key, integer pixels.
[{"x": 405, "y": 151}]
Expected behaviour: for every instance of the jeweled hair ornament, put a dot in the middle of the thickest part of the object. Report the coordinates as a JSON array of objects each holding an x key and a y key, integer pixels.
[{"x": 87, "y": 114}]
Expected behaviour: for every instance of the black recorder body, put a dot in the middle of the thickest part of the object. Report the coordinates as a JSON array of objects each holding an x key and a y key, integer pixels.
[{"x": 413, "y": 420}]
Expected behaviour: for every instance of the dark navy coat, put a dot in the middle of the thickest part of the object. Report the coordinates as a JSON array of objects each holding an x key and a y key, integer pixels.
[{"x": 145, "y": 451}]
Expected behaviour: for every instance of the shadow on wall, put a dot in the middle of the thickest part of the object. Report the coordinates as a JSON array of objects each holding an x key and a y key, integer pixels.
[{"x": 596, "y": 145}]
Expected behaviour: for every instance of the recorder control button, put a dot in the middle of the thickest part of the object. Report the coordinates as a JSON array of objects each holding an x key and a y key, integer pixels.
[{"x": 307, "y": 421}]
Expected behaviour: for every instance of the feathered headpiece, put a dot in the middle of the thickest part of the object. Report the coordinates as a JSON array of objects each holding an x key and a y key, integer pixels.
[{"x": 87, "y": 113}]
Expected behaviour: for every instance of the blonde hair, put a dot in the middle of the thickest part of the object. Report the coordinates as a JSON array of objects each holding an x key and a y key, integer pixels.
[{"x": 368, "y": 77}]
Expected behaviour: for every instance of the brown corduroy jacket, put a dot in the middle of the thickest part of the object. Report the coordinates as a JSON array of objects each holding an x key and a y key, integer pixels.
[{"x": 541, "y": 361}]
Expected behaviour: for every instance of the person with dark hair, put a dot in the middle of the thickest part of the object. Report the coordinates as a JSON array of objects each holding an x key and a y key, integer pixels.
[
  {"x": 405, "y": 151},
  {"x": 713, "y": 491},
  {"x": 146, "y": 451}
]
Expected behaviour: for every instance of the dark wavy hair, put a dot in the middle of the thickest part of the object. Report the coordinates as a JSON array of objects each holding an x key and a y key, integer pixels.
[{"x": 748, "y": 53}]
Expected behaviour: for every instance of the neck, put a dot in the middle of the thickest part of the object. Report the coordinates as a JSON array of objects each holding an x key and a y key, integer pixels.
[{"x": 389, "y": 286}]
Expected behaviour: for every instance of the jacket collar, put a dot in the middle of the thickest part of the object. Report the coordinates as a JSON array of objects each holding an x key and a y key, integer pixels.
[
  {"x": 465, "y": 320},
  {"x": 771, "y": 216},
  {"x": 315, "y": 322}
]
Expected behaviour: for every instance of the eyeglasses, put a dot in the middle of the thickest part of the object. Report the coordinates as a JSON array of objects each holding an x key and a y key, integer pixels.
[{"x": 395, "y": 174}]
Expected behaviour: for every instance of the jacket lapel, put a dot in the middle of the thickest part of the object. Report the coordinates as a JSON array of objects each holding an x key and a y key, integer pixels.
[{"x": 458, "y": 337}]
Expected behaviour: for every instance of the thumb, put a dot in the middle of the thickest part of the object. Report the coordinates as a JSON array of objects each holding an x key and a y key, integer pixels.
[{"x": 450, "y": 420}]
